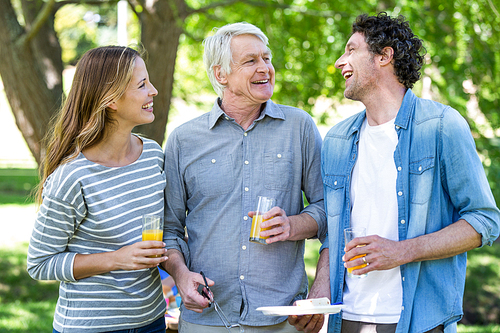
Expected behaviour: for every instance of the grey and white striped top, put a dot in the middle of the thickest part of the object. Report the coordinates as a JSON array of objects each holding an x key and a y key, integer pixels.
[{"x": 89, "y": 208}]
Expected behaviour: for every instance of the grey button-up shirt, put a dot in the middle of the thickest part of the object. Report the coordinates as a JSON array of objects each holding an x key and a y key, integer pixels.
[{"x": 215, "y": 171}]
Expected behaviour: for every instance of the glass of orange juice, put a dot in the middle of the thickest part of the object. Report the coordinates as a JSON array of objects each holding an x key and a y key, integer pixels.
[
  {"x": 264, "y": 204},
  {"x": 152, "y": 229},
  {"x": 350, "y": 234}
]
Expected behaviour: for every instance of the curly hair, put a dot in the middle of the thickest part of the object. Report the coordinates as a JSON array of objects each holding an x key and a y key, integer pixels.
[{"x": 383, "y": 31}]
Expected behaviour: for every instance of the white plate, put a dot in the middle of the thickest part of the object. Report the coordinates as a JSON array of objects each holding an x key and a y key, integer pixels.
[{"x": 299, "y": 310}]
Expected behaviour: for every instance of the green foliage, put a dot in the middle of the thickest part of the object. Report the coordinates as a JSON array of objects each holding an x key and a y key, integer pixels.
[
  {"x": 482, "y": 286},
  {"x": 311, "y": 255},
  {"x": 463, "y": 63},
  {"x": 307, "y": 37},
  {"x": 81, "y": 27},
  {"x": 75, "y": 34}
]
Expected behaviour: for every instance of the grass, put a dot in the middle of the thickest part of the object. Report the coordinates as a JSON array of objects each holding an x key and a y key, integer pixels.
[
  {"x": 16, "y": 185},
  {"x": 26, "y": 305}
]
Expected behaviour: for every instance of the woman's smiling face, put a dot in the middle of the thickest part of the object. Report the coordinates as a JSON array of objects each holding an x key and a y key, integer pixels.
[{"x": 135, "y": 107}]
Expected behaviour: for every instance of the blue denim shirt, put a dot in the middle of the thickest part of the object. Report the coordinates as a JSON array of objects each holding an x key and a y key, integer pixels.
[
  {"x": 440, "y": 180},
  {"x": 215, "y": 171}
]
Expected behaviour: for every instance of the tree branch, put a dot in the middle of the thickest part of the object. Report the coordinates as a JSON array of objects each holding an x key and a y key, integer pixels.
[
  {"x": 257, "y": 3},
  {"x": 145, "y": 11},
  {"x": 132, "y": 7},
  {"x": 213, "y": 5},
  {"x": 59, "y": 4},
  {"x": 493, "y": 8},
  {"x": 42, "y": 16},
  {"x": 298, "y": 9}
]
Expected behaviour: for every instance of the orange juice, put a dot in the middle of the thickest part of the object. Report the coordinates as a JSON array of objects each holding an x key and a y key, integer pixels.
[
  {"x": 256, "y": 229},
  {"x": 350, "y": 269},
  {"x": 152, "y": 235}
]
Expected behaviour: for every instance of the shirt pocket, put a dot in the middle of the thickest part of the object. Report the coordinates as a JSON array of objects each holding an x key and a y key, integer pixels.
[
  {"x": 421, "y": 180},
  {"x": 215, "y": 175},
  {"x": 278, "y": 170},
  {"x": 334, "y": 192}
]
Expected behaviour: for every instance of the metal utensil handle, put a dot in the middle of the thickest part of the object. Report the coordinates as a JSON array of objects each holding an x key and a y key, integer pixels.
[{"x": 223, "y": 317}]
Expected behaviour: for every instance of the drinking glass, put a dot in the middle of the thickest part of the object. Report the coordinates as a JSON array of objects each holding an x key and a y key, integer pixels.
[
  {"x": 264, "y": 204},
  {"x": 152, "y": 229},
  {"x": 350, "y": 234}
]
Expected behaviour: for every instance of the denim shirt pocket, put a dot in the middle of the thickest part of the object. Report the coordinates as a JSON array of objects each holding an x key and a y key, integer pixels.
[
  {"x": 421, "y": 180},
  {"x": 334, "y": 192},
  {"x": 215, "y": 175},
  {"x": 278, "y": 174}
]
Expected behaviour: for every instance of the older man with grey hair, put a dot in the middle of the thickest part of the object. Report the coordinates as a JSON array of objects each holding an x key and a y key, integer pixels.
[{"x": 216, "y": 167}]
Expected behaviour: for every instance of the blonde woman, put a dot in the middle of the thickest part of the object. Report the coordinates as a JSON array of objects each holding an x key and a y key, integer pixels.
[{"x": 97, "y": 180}]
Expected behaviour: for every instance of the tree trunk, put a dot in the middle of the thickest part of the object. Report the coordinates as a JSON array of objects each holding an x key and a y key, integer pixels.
[
  {"x": 46, "y": 49},
  {"x": 161, "y": 23},
  {"x": 33, "y": 91}
]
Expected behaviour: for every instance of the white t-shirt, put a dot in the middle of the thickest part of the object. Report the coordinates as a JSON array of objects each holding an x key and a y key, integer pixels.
[{"x": 376, "y": 298}]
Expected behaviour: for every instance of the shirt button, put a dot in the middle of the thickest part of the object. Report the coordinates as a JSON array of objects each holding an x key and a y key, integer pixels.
[
  {"x": 244, "y": 247},
  {"x": 402, "y": 308},
  {"x": 397, "y": 127},
  {"x": 246, "y": 162},
  {"x": 403, "y": 278},
  {"x": 227, "y": 118},
  {"x": 403, "y": 221},
  {"x": 242, "y": 277},
  {"x": 420, "y": 168},
  {"x": 213, "y": 160},
  {"x": 279, "y": 155},
  {"x": 335, "y": 183},
  {"x": 400, "y": 193},
  {"x": 245, "y": 218},
  {"x": 246, "y": 189},
  {"x": 245, "y": 134},
  {"x": 399, "y": 168}
]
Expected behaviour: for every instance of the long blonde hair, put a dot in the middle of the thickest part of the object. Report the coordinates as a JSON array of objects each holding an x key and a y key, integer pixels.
[{"x": 101, "y": 77}]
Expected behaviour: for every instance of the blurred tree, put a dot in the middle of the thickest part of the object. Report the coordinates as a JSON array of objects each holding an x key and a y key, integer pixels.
[
  {"x": 306, "y": 37},
  {"x": 31, "y": 66}
]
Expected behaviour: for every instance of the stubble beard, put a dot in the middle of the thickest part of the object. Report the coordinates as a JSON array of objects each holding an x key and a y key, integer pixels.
[{"x": 353, "y": 92}]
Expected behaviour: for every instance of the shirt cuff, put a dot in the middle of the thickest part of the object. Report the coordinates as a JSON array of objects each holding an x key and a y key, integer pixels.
[{"x": 179, "y": 245}]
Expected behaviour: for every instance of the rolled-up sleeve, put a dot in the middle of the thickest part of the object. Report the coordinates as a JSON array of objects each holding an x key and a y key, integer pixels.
[
  {"x": 312, "y": 183},
  {"x": 175, "y": 200},
  {"x": 465, "y": 179}
]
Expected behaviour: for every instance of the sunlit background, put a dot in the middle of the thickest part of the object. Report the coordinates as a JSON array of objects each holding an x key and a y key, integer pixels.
[{"x": 306, "y": 37}]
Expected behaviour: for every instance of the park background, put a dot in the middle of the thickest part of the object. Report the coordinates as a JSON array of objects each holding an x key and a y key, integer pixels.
[{"x": 41, "y": 40}]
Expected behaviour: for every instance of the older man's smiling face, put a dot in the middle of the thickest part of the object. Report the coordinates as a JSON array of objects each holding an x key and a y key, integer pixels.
[{"x": 251, "y": 81}]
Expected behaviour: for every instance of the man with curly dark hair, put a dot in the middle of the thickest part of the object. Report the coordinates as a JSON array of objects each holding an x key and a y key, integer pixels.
[
  {"x": 407, "y": 172},
  {"x": 383, "y": 31}
]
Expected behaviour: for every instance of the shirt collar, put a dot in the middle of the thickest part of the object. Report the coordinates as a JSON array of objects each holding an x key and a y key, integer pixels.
[
  {"x": 270, "y": 109},
  {"x": 406, "y": 109},
  {"x": 402, "y": 118},
  {"x": 358, "y": 122}
]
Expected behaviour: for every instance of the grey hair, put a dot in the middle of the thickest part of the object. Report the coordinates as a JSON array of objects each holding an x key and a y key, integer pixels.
[{"x": 218, "y": 49}]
